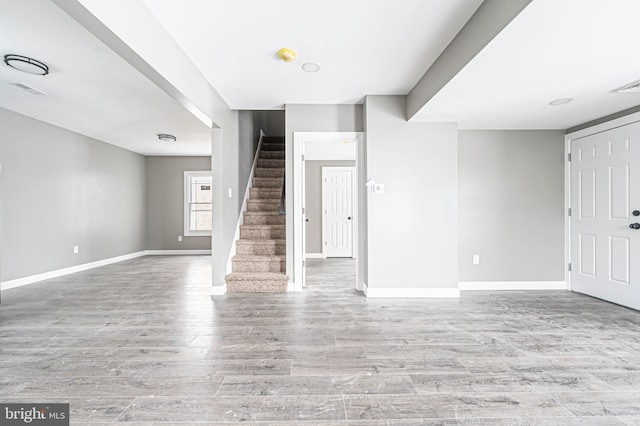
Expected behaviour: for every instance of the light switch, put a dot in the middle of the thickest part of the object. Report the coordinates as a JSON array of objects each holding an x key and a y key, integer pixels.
[{"x": 230, "y": 193}]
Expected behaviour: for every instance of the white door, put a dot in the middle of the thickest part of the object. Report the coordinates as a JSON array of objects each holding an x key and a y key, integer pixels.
[
  {"x": 337, "y": 209},
  {"x": 605, "y": 199}
]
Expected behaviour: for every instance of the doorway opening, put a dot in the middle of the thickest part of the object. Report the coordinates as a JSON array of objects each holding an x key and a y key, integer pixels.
[{"x": 326, "y": 215}]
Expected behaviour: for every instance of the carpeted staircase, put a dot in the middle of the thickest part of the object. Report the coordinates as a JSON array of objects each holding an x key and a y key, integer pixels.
[{"x": 259, "y": 263}]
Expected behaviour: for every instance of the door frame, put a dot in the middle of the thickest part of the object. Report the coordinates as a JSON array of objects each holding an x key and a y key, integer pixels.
[
  {"x": 300, "y": 142},
  {"x": 354, "y": 209},
  {"x": 568, "y": 138}
]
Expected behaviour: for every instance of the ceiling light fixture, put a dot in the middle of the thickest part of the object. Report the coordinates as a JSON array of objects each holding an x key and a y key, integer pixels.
[
  {"x": 310, "y": 67},
  {"x": 166, "y": 137},
  {"x": 287, "y": 54},
  {"x": 561, "y": 101},
  {"x": 25, "y": 64}
]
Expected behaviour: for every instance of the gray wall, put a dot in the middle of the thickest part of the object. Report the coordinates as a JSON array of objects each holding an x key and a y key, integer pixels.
[
  {"x": 272, "y": 122},
  {"x": 511, "y": 205},
  {"x": 62, "y": 189},
  {"x": 412, "y": 228},
  {"x": 313, "y": 118},
  {"x": 313, "y": 200},
  {"x": 165, "y": 203},
  {"x": 249, "y": 125}
]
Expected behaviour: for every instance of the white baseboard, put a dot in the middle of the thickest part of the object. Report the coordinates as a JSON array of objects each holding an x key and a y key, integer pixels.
[
  {"x": 513, "y": 285},
  {"x": 219, "y": 290},
  {"x": 412, "y": 292},
  {"x": 313, "y": 255},
  {"x": 176, "y": 252},
  {"x": 6, "y": 285}
]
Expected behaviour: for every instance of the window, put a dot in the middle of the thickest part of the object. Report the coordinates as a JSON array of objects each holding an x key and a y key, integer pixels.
[{"x": 197, "y": 203}]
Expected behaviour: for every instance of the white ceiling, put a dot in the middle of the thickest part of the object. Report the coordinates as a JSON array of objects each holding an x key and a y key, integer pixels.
[
  {"x": 90, "y": 89},
  {"x": 581, "y": 49},
  {"x": 362, "y": 46}
]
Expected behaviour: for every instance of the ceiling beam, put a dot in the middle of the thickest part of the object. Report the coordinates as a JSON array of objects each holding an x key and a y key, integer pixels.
[
  {"x": 140, "y": 39},
  {"x": 489, "y": 20}
]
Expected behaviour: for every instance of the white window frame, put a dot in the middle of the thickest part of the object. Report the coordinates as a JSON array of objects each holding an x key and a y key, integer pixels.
[{"x": 187, "y": 192}]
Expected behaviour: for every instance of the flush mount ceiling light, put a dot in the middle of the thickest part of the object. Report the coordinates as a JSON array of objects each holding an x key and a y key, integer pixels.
[
  {"x": 629, "y": 88},
  {"x": 287, "y": 54},
  {"x": 561, "y": 101},
  {"x": 310, "y": 67},
  {"x": 28, "y": 65},
  {"x": 166, "y": 137}
]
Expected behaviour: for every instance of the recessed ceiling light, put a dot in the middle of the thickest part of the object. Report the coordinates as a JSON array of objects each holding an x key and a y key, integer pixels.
[
  {"x": 310, "y": 67},
  {"x": 166, "y": 137},
  {"x": 28, "y": 65},
  {"x": 560, "y": 101},
  {"x": 629, "y": 88}
]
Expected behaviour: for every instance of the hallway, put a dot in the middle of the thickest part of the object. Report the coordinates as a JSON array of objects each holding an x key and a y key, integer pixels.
[{"x": 141, "y": 342}]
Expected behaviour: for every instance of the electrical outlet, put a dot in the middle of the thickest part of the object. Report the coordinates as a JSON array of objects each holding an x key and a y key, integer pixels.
[
  {"x": 179, "y": 238},
  {"x": 476, "y": 259},
  {"x": 76, "y": 249}
]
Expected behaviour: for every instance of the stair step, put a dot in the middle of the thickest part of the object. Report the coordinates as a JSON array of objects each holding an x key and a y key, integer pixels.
[
  {"x": 265, "y": 194},
  {"x": 256, "y": 263},
  {"x": 271, "y": 164},
  {"x": 263, "y": 205},
  {"x": 256, "y": 282},
  {"x": 266, "y": 172},
  {"x": 272, "y": 146},
  {"x": 263, "y": 232},
  {"x": 264, "y": 218},
  {"x": 259, "y": 182},
  {"x": 261, "y": 247},
  {"x": 273, "y": 139},
  {"x": 275, "y": 155}
]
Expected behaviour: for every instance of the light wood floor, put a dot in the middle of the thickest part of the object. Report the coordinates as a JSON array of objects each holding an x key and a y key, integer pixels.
[{"x": 142, "y": 342}]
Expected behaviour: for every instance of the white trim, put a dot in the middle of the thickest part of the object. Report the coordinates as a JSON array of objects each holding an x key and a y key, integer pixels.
[
  {"x": 247, "y": 192},
  {"x": 176, "y": 252},
  {"x": 294, "y": 210},
  {"x": 603, "y": 127},
  {"x": 412, "y": 292},
  {"x": 512, "y": 285},
  {"x": 6, "y": 285},
  {"x": 219, "y": 290},
  {"x": 313, "y": 255}
]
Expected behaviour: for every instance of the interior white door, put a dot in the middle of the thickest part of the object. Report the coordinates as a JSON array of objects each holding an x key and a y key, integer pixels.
[
  {"x": 605, "y": 202},
  {"x": 337, "y": 208}
]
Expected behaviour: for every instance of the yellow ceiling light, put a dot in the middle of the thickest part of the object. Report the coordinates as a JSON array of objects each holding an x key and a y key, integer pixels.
[{"x": 287, "y": 54}]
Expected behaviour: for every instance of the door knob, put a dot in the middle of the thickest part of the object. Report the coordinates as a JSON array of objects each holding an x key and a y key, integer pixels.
[
  {"x": 306, "y": 220},
  {"x": 635, "y": 226},
  {"x": 349, "y": 218},
  {"x": 636, "y": 213}
]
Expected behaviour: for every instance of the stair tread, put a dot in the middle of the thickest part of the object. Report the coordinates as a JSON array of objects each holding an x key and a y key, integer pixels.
[
  {"x": 255, "y": 242},
  {"x": 270, "y": 227},
  {"x": 259, "y": 258},
  {"x": 263, "y": 213},
  {"x": 257, "y": 276}
]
